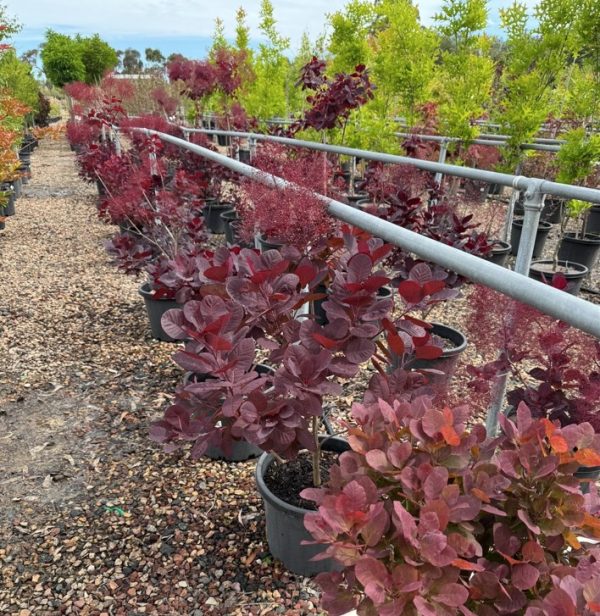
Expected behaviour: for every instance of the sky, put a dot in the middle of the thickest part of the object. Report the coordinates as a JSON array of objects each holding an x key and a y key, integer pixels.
[{"x": 183, "y": 26}]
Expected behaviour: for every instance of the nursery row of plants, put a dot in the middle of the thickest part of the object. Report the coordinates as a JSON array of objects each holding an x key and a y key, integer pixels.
[
  {"x": 276, "y": 307},
  {"x": 22, "y": 104}
]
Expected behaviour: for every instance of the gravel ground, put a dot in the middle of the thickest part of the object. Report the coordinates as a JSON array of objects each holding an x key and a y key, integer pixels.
[{"x": 94, "y": 518}]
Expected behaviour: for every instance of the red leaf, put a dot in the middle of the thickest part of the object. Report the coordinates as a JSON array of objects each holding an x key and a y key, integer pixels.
[
  {"x": 410, "y": 291},
  {"x": 218, "y": 343},
  {"x": 218, "y": 272},
  {"x": 433, "y": 286},
  {"x": 396, "y": 343},
  {"x": 465, "y": 565},
  {"x": 328, "y": 343}
]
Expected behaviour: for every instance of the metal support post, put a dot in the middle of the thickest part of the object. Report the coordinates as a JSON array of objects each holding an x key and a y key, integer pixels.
[
  {"x": 441, "y": 160},
  {"x": 534, "y": 200}
]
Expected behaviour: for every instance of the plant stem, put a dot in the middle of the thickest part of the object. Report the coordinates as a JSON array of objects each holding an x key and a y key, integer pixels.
[{"x": 316, "y": 456}]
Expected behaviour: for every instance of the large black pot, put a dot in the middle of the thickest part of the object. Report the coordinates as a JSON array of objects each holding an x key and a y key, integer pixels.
[
  {"x": 552, "y": 210},
  {"x": 285, "y": 522},
  {"x": 9, "y": 210},
  {"x": 356, "y": 197},
  {"x": 229, "y": 217},
  {"x": 499, "y": 253},
  {"x": 593, "y": 221},
  {"x": 587, "y": 475},
  {"x": 544, "y": 269},
  {"x": 581, "y": 250},
  {"x": 244, "y": 156},
  {"x": 268, "y": 244},
  {"x": 240, "y": 452},
  {"x": 17, "y": 187},
  {"x": 156, "y": 308},
  {"x": 212, "y": 216},
  {"x": 540, "y": 238},
  {"x": 224, "y": 140},
  {"x": 448, "y": 361}
]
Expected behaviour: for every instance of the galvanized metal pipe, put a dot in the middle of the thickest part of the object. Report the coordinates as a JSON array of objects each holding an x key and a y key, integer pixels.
[
  {"x": 576, "y": 311},
  {"x": 489, "y": 142},
  {"x": 520, "y": 183}
]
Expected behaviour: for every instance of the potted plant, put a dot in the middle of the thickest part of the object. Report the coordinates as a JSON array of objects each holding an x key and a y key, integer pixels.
[
  {"x": 427, "y": 516},
  {"x": 553, "y": 368},
  {"x": 290, "y": 215},
  {"x": 283, "y": 414},
  {"x": 579, "y": 246}
]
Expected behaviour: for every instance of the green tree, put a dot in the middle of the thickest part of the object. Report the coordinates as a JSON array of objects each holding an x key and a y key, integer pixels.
[
  {"x": 266, "y": 97},
  {"x": 17, "y": 78},
  {"x": 98, "y": 57},
  {"x": 242, "y": 32},
  {"x": 154, "y": 56},
  {"x": 61, "y": 59},
  {"x": 405, "y": 59},
  {"x": 350, "y": 35},
  {"x": 466, "y": 72},
  {"x": 132, "y": 62}
]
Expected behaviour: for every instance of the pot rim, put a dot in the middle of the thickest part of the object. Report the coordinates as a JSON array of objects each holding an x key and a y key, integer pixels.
[
  {"x": 573, "y": 265},
  {"x": 448, "y": 328},
  {"x": 542, "y": 224},
  {"x": 265, "y": 460},
  {"x": 145, "y": 291},
  {"x": 589, "y": 239}
]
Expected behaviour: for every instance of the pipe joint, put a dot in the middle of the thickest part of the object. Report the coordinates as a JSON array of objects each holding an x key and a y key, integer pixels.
[{"x": 534, "y": 196}]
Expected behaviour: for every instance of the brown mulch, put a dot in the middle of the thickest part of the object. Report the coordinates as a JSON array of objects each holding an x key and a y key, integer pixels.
[{"x": 94, "y": 518}]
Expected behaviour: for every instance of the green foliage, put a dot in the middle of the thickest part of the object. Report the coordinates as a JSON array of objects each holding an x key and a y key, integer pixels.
[
  {"x": 405, "y": 59},
  {"x": 467, "y": 72},
  {"x": 132, "y": 62},
  {"x": 61, "y": 59},
  {"x": 462, "y": 21},
  {"x": 98, "y": 57},
  {"x": 578, "y": 156},
  {"x": 154, "y": 56},
  {"x": 242, "y": 32},
  {"x": 67, "y": 59},
  {"x": 267, "y": 95},
  {"x": 16, "y": 78},
  {"x": 351, "y": 32}
]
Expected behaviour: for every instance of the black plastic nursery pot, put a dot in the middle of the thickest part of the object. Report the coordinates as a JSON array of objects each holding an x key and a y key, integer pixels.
[
  {"x": 244, "y": 156},
  {"x": 101, "y": 188},
  {"x": 9, "y": 210},
  {"x": 499, "y": 253},
  {"x": 544, "y": 269},
  {"x": 540, "y": 238},
  {"x": 587, "y": 475},
  {"x": 285, "y": 522},
  {"x": 229, "y": 217},
  {"x": 224, "y": 140},
  {"x": 212, "y": 216},
  {"x": 17, "y": 187},
  {"x": 582, "y": 250},
  {"x": 494, "y": 190},
  {"x": 267, "y": 243},
  {"x": 354, "y": 199},
  {"x": 240, "y": 452},
  {"x": 156, "y": 308},
  {"x": 593, "y": 221},
  {"x": 552, "y": 210},
  {"x": 455, "y": 344}
]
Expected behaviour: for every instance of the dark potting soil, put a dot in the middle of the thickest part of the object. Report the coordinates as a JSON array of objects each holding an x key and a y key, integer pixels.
[
  {"x": 287, "y": 480},
  {"x": 446, "y": 343}
]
